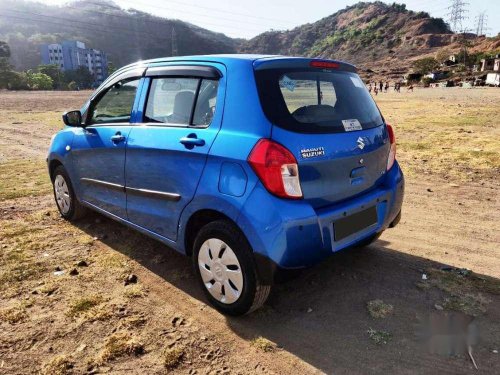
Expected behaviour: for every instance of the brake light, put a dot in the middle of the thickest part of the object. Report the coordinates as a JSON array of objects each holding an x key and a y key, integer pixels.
[
  {"x": 324, "y": 64},
  {"x": 276, "y": 168},
  {"x": 392, "y": 151}
]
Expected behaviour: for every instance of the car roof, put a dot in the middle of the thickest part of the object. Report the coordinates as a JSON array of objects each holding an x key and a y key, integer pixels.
[{"x": 230, "y": 59}]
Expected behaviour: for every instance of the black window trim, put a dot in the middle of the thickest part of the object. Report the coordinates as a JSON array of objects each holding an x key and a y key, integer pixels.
[{"x": 188, "y": 71}]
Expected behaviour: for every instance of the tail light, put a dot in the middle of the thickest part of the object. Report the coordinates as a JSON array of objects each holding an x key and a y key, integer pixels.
[
  {"x": 392, "y": 151},
  {"x": 276, "y": 168}
]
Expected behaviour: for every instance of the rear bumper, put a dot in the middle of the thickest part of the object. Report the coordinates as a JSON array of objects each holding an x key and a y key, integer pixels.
[{"x": 292, "y": 234}]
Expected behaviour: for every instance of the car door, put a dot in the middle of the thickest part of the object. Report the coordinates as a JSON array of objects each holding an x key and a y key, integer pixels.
[
  {"x": 99, "y": 148},
  {"x": 167, "y": 151}
]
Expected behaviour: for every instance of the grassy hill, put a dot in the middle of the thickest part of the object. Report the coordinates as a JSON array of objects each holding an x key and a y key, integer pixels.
[
  {"x": 376, "y": 36},
  {"x": 126, "y": 35}
]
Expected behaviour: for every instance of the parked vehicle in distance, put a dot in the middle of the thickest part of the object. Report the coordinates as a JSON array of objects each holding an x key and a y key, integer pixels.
[{"x": 249, "y": 164}]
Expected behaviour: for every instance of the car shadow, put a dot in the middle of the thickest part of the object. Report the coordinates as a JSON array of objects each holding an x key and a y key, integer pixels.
[{"x": 320, "y": 316}]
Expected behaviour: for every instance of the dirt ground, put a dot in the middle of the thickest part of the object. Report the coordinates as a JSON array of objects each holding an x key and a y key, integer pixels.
[{"x": 65, "y": 306}]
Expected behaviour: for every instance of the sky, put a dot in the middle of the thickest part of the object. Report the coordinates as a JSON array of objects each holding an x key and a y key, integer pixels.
[{"x": 246, "y": 19}]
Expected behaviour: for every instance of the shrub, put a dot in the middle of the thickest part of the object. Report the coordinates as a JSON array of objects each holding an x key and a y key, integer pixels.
[{"x": 39, "y": 81}]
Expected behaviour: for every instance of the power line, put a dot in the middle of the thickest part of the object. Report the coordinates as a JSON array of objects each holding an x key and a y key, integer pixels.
[
  {"x": 252, "y": 26},
  {"x": 212, "y": 9},
  {"x": 481, "y": 23},
  {"x": 457, "y": 14}
]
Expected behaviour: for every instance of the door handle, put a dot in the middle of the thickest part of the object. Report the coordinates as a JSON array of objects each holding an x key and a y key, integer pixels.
[
  {"x": 117, "y": 138},
  {"x": 191, "y": 140}
]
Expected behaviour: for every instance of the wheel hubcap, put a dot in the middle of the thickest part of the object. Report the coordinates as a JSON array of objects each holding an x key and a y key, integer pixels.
[
  {"x": 61, "y": 190},
  {"x": 220, "y": 271}
]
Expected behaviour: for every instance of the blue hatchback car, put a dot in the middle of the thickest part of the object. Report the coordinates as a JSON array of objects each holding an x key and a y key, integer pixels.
[{"x": 249, "y": 164}]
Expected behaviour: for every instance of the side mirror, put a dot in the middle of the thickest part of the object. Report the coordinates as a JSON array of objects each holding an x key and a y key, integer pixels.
[{"x": 72, "y": 118}]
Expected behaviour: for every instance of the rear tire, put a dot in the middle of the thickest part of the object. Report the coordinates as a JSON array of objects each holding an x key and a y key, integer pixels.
[
  {"x": 225, "y": 268},
  {"x": 64, "y": 195},
  {"x": 369, "y": 240}
]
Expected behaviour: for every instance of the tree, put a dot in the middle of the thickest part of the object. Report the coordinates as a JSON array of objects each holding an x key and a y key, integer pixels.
[
  {"x": 18, "y": 81},
  {"x": 4, "y": 50},
  {"x": 425, "y": 65},
  {"x": 111, "y": 68},
  {"x": 6, "y": 72},
  {"x": 39, "y": 81},
  {"x": 54, "y": 72},
  {"x": 81, "y": 76}
]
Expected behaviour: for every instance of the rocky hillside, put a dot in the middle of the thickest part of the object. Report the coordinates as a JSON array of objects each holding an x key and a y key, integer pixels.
[{"x": 370, "y": 35}]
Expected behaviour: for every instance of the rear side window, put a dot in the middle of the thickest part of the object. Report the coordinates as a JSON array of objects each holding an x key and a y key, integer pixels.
[
  {"x": 312, "y": 101},
  {"x": 181, "y": 101}
]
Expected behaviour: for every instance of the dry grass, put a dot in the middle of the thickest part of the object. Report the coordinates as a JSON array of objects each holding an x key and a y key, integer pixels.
[
  {"x": 263, "y": 344},
  {"x": 452, "y": 133},
  {"x": 134, "y": 291},
  {"x": 119, "y": 345},
  {"x": 378, "y": 309},
  {"x": 84, "y": 304},
  {"x": 13, "y": 315},
  {"x": 379, "y": 337},
  {"x": 23, "y": 178},
  {"x": 60, "y": 365},
  {"x": 464, "y": 290},
  {"x": 172, "y": 357}
]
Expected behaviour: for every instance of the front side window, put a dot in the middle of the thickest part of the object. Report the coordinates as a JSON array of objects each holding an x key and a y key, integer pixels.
[
  {"x": 181, "y": 101},
  {"x": 116, "y": 103}
]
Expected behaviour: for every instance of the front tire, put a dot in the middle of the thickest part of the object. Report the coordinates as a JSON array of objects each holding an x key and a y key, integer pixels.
[
  {"x": 224, "y": 265},
  {"x": 64, "y": 195}
]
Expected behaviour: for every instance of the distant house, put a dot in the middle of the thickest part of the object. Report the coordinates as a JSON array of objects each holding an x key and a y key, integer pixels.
[
  {"x": 450, "y": 61},
  {"x": 72, "y": 54},
  {"x": 487, "y": 64}
]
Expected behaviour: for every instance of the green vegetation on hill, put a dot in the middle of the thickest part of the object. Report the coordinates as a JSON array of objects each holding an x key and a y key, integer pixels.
[
  {"x": 125, "y": 35},
  {"x": 359, "y": 33}
]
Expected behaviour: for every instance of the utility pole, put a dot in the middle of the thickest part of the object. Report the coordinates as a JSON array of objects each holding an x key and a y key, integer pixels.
[
  {"x": 481, "y": 23},
  {"x": 175, "y": 52},
  {"x": 457, "y": 15}
]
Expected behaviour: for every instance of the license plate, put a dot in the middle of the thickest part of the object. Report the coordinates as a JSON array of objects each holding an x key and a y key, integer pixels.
[{"x": 354, "y": 223}]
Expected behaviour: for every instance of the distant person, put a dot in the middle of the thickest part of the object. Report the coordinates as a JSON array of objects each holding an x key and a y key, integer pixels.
[
  {"x": 381, "y": 85},
  {"x": 370, "y": 88},
  {"x": 410, "y": 88},
  {"x": 386, "y": 88},
  {"x": 375, "y": 90}
]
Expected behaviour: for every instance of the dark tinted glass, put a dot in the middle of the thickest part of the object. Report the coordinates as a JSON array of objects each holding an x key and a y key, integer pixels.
[{"x": 312, "y": 101}]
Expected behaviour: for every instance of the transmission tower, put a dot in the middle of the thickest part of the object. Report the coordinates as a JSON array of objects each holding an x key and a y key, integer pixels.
[
  {"x": 175, "y": 52},
  {"x": 481, "y": 23},
  {"x": 457, "y": 14}
]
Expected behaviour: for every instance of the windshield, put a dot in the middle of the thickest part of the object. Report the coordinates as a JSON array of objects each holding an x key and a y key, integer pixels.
[{"x": 312, "y": 101}]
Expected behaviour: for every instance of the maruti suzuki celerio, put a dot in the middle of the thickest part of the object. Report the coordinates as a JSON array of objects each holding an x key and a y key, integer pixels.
[{"x": 249, "y": 164}]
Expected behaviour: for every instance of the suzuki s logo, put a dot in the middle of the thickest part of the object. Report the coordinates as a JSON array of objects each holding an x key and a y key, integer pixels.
[{"x": 361, "y": 143}]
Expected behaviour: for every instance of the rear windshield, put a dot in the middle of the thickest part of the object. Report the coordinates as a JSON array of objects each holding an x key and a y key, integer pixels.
[{"x": 312, "y": 101}]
